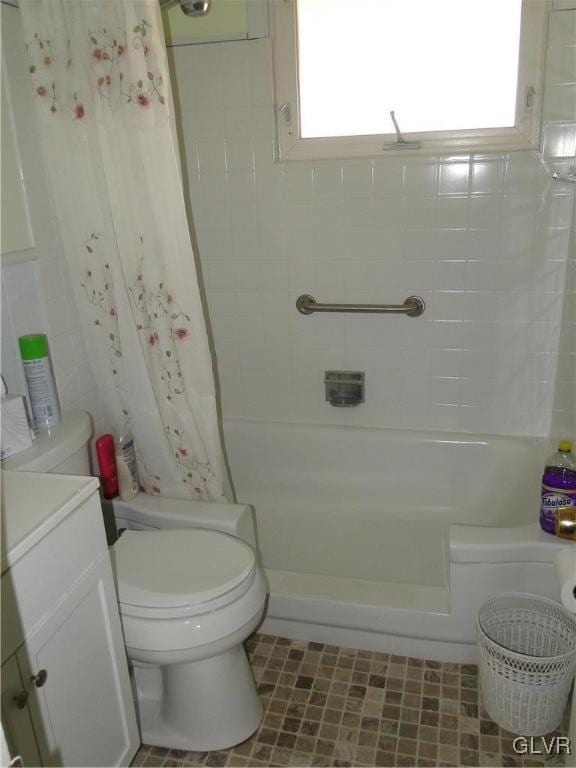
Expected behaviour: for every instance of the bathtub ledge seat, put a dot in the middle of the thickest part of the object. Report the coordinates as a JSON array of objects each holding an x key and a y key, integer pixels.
[{"x": 420, "y": 621}]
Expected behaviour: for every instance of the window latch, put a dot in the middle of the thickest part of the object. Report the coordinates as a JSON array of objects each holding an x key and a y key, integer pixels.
[
  {"x": 286, "y": 112},
  {"x": 400, "y": 142},
  {"x": 530, "y": 93}
]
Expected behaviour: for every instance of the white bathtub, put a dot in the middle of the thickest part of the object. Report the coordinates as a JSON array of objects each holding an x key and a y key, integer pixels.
[{"x": 390, "y": 540}]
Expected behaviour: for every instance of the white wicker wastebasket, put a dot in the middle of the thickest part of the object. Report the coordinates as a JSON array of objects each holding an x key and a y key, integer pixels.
[{"x": 527, "y": 661}]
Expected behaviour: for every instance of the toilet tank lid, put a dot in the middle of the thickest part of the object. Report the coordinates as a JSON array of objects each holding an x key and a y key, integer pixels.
[
  {"x": 52, "y": 447},
  {"x": 177, "y": 568}
]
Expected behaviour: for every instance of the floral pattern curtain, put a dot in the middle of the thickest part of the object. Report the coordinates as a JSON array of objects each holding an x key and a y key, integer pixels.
[{"x": 100, "y": 79}]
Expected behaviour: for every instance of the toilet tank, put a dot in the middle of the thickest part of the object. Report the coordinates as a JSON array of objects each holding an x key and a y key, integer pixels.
[{"x": 63, "y": 450}]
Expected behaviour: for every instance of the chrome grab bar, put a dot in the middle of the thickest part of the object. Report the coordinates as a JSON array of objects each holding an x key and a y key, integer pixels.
[{"x": 414, "y": 306}]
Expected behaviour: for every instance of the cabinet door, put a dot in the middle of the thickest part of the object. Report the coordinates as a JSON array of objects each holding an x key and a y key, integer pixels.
[
  {"x": 16, "y": 718},
  {"x": 83, "y": 713}
]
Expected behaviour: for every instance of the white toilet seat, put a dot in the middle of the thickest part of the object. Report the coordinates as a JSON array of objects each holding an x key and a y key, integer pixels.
[{"x": 178, "y": 573}]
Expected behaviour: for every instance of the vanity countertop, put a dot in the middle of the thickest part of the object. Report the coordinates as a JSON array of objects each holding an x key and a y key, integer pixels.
[{"x": 33, "y": 504}]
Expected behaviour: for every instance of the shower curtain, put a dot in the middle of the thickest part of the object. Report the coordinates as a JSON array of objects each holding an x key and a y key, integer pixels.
[{"x": 100, "y": 80}]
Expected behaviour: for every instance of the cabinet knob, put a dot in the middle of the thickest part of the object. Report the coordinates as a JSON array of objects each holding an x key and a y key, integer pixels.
[
  {"x": 21, "y": 699},
  {"x": 40, "y": 678}
]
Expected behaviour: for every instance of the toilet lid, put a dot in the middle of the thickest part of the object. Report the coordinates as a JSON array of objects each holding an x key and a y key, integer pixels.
[{"x": 174, "y": 568}]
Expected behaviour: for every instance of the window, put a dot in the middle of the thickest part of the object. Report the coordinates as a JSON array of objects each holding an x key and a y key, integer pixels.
[{"x": 458, "y": 75}]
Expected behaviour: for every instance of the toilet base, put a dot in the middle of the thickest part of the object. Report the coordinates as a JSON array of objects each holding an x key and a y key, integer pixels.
[{"x": 199, "y": 706}]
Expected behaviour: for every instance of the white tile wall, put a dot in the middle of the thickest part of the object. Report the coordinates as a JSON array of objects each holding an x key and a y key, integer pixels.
[
  {"x": 560, "y": 139},
  {"x": 564, "y": 411},
  {"x": 36, "y": 293},
  {"x": 484, "y": 239}
]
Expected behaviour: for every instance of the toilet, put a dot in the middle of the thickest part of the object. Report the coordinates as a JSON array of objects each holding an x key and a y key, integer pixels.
[{"x": 190, "y": 591}]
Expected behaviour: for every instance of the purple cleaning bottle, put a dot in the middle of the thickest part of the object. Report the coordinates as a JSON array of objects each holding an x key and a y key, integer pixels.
[{"x": 558, "y": 485}]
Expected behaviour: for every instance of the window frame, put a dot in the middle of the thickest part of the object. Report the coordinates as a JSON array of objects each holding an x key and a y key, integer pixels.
[{"x": 525, "y": 135}]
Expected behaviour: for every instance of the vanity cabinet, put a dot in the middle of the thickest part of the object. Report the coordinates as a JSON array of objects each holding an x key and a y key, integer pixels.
[{"x": 66, "y": 694}]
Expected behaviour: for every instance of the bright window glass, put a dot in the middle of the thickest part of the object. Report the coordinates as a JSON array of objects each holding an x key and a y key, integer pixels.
[{"x": 439, "y": 64}]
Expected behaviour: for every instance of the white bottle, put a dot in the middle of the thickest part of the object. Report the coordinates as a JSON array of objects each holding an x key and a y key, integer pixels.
[{"x": 128, "y": 481}]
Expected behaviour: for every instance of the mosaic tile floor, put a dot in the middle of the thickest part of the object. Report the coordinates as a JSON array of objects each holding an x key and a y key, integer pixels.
[{"x": 331, "y": 706}]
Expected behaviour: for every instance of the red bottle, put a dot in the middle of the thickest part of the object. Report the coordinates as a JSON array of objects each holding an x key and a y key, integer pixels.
[{"x": 105, "y": 453}]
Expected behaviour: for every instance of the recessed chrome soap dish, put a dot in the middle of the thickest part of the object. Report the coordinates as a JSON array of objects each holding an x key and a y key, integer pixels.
[{"x": 344, "y": 389}]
